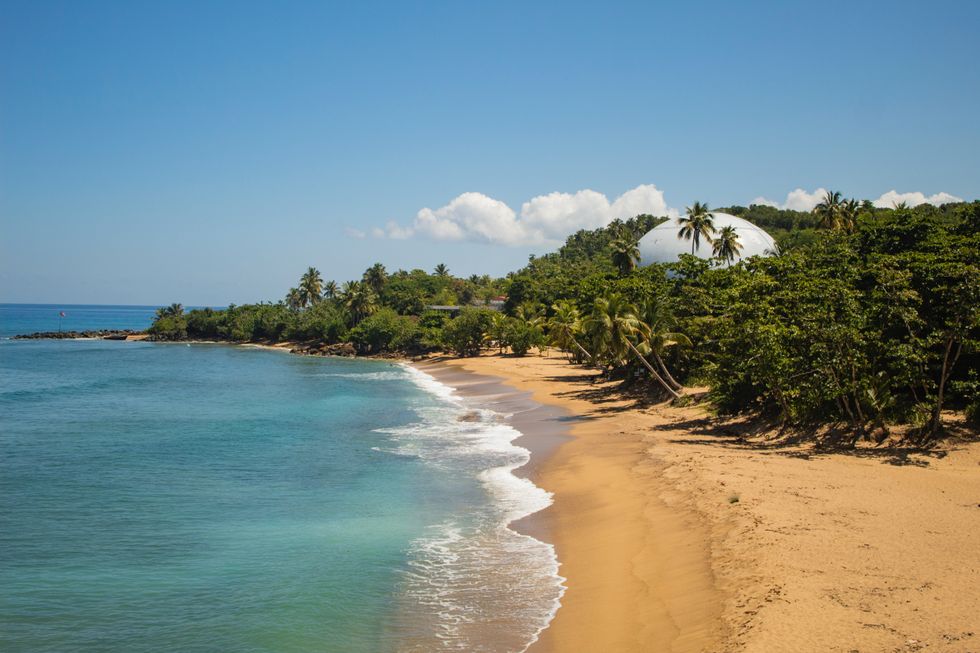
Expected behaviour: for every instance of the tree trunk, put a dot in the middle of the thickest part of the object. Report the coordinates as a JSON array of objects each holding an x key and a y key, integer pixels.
[
  {"x": 842, "y": 397},
  {"x": 581, "y": 348},
  {"x": 673, "y": 382},
  {"x": 936, "y": 422},
  {"x": 650, "y": 369}
]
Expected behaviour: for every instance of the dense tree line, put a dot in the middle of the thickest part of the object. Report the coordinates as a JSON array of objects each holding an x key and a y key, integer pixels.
[{"x": 865, "y": 316}]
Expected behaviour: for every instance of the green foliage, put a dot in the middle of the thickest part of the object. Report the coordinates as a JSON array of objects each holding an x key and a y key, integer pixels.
[
  {"x": 867, "y": 316},
  {"x": 861, "y": 328},
  {"x": 521, "y": 336},
  {"x": 170, "y": 323},
  {"x": 464, "y": 335},
  {"x": 326, "y": 322},
  {"x": 168, "y": 328},
  {"x": 385, "y": 330}
]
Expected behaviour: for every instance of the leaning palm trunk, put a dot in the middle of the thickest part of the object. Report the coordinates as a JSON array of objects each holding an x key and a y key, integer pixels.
[
  {"x": 673, "y": 382},
  {"x": 582, "y": 349},
  {"x": 650, "y": 369}
]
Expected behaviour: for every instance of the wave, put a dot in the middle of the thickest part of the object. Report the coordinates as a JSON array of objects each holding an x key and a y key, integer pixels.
[
  {"x": 476, "y": 583},
  {"x": 366, "y": 376}
]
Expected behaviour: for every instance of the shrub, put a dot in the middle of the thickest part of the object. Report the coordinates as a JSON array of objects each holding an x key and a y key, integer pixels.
[
  {"x": 169, "y": 328},
  {"x": 464, "y": 334},
  {"x": 521, "y": 336},
  {"x": 385, "y": 331}
]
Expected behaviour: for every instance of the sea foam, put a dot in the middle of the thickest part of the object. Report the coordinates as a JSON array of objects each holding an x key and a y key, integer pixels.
[{"x": 480, "y": 585}]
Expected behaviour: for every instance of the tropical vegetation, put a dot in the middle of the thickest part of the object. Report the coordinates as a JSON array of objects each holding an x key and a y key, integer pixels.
[{"x": 864, "y": 317}]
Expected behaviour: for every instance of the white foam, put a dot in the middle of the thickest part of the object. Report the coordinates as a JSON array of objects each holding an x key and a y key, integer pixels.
[
  {"x": 367, "y": 376},
  {"x": 457, "y": 568}
]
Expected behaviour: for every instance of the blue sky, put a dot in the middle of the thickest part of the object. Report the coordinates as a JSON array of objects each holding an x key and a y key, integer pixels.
[{"x": 208, "y": 152}]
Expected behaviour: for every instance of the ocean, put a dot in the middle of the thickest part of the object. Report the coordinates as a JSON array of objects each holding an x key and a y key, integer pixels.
[{"x": 174, "y": 497}]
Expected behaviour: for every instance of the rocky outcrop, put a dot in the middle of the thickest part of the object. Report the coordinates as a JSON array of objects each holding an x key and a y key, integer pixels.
[
  {"x": 103, "y": 334},
  {"x": 340, "y": 349}
]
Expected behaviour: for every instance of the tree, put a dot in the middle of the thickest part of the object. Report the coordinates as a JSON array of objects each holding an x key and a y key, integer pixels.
[
  {"x": 524, "y": 330},
  {"x": 614, "y": 324},
  {"x": 441, "y": 270},
  {"x": 385, "y": 330},
  {"x": 625, "y": 254},
  {"x": 174, "y": 311},
  {"x": 359, "y": 300},
  {"x": 563, "y": 327},
  {"x": 294, "y": 299},
  {"x": 465, "y": 333},
  {"x": 310, "y": 286},
  {"x": 170, "y": 323},
  {"x": 697, "y": 224},
  {"x": 849, "y": 213},
  {"x": 830, "y": 211},
  {"x": 375, "y": 277},
  {"x": 661, "y": 325},
  {"x": 330, "y": 289},
  {"x": 726, "y": 245}
]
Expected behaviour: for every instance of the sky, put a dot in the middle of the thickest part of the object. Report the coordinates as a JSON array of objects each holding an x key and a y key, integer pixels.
[{"x": 208, "y": 152}]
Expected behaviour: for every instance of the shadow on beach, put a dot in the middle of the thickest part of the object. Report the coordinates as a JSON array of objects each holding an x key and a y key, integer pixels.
[{"x": 750, "y": 432}]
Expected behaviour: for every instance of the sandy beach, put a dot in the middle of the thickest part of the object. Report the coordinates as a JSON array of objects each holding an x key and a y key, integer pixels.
[{"x": 677, "y": 532}]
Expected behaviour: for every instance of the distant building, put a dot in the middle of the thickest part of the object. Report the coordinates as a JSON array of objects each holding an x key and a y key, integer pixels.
[
  {"x": 663, "y": 245},
  {"x": 495, "y": 304}
]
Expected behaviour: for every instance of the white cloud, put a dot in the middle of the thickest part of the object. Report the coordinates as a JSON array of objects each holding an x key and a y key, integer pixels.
[
  {"x": 800, "y": 200},
  {"x": 545, "y": 219},
  {"x": 354, "y": 233},
  {"x": 762, "y": 201},
  {"x": 797, "y": 200},
  {"x": 891, "y": 198}
]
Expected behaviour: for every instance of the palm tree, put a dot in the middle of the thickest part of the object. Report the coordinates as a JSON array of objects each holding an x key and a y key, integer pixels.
[
  {"x": 174, "y": 310},
  {"x": 360, "y": 300},
  {"x": 311, "y": 286},
  {"x": 614, "y": 324},
  {"x": 294, "y": 299},
  {"x": 564, "y": 325},
  {"x": 697, "y": 224},
  {"x": 330, "y": 289},
  {"x": 625, "y": 254},
  {"x": 657, "y": 315},
  {"x": 375, "y": 277},
  {"x": 726, "y": 245},
  {"x": 497, "y": 332},
  {"x": 830, "y": 210},
  {"x": 441, "y": 270},
  {"x": 849, "y": 213}
]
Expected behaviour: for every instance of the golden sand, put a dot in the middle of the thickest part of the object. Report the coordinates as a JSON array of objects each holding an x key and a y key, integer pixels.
[{"x": 677, "y": 537}]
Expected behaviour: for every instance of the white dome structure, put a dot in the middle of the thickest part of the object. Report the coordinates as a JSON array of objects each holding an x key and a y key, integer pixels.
[{"x": 662, "y": 244}]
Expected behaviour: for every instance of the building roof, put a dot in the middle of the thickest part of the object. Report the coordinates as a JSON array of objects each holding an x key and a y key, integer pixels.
[{"x": 662, "y": 244}]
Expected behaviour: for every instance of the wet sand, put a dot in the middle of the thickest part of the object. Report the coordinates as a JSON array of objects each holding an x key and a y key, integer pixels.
[{"x": 677, "y": 534}]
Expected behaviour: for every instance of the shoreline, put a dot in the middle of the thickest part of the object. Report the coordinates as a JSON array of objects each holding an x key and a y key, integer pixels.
[
  {"x": 679, "y": 610},
  {"x": 543, "y": 429},
  {"x": 677, "y": 531}
]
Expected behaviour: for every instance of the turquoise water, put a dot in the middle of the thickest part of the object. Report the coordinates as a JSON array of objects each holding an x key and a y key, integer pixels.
[
  {"x": 28, "y": 318},
  {"x": 166, "y": 497}
]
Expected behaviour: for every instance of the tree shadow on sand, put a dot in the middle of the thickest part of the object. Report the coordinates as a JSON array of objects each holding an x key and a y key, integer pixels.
[
  {"x": 752, "y": 433},
  {"x": 769, "y": 438}
]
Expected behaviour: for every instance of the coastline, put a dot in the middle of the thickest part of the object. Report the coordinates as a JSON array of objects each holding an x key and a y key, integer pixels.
[
  {"x": 630, "y": 587},
  {"x": 679, "y": 532},
  {"x": 543, "y": 429}
]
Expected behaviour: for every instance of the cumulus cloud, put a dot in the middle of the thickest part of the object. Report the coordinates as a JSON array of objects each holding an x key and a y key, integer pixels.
[
  {"x": 797, "y": 200},
  {"x": 891, "y": 198},
  {"x": 545, "y": 219},
  {"x": 800, "y": 200},
  {"x": 354, "y": 233}
]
